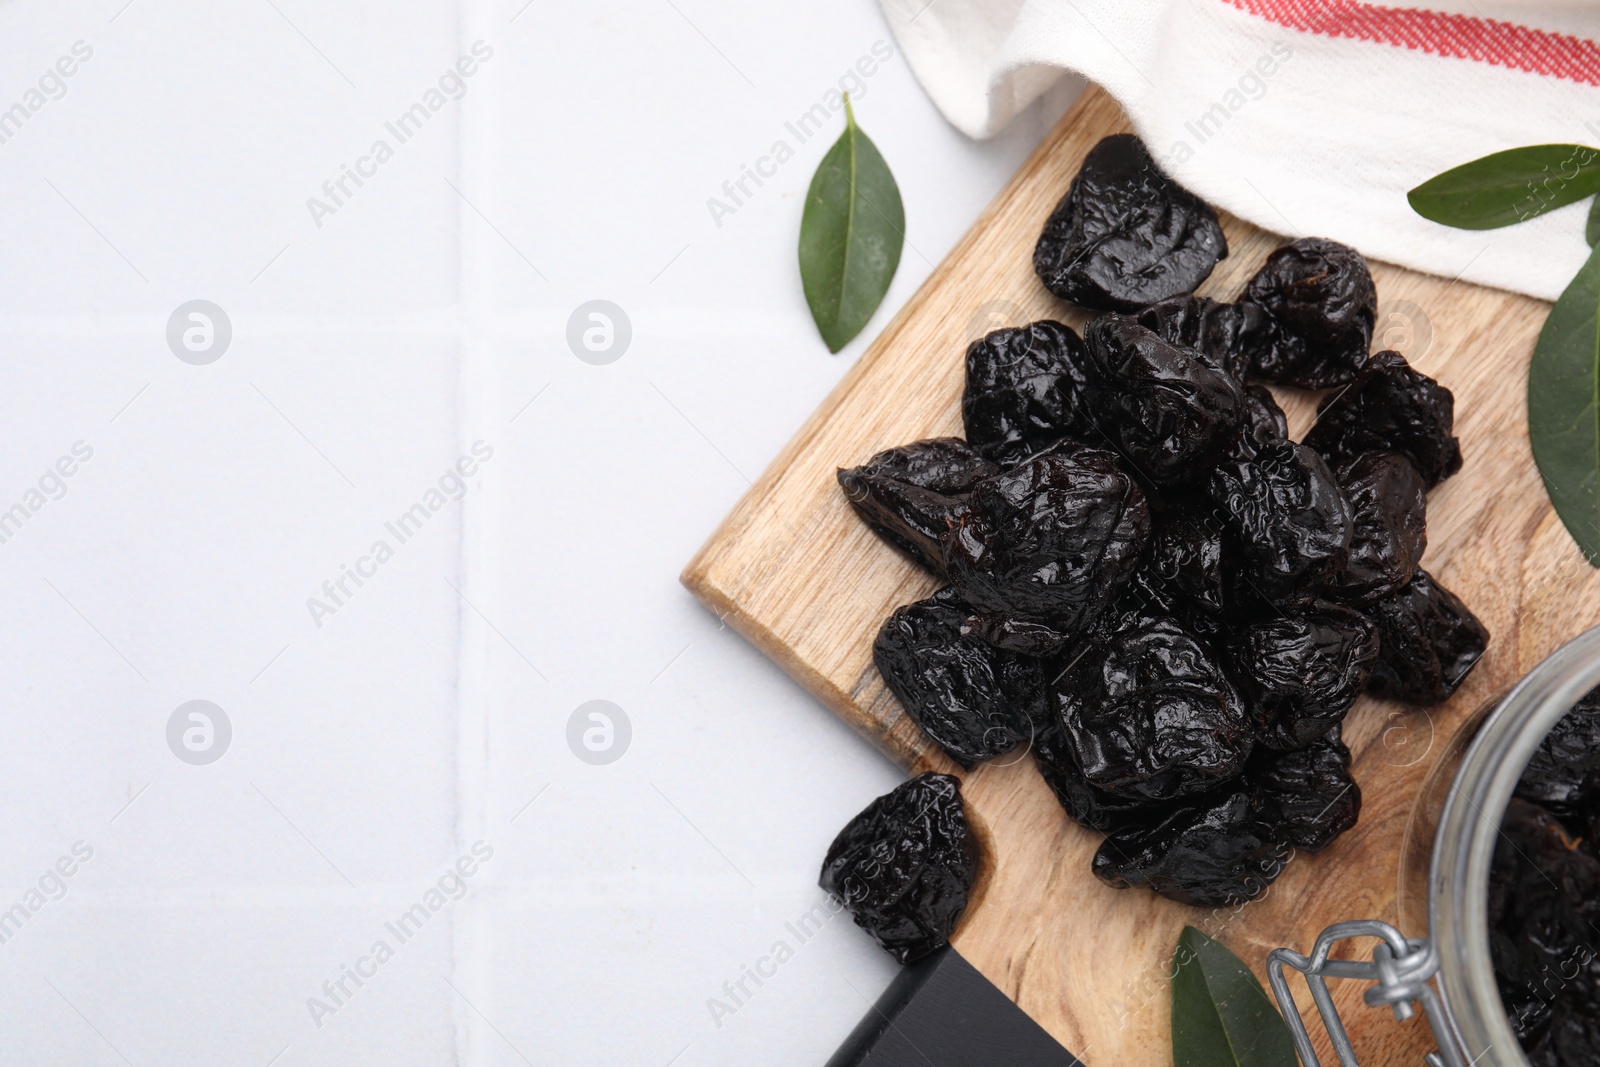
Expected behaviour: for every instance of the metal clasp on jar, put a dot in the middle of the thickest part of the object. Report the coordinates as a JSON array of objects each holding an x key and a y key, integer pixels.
[{"x": 1402, "y": 970}]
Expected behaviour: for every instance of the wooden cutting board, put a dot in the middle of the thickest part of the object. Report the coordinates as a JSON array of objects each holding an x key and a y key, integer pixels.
[{"x": 793, "y": 570}]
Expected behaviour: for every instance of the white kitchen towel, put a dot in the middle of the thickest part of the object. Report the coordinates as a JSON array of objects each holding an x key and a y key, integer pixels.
[{"x": 1302, "y": 117}]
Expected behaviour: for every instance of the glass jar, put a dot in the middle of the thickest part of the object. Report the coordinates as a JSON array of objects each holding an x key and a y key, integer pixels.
[{"x": 1449, "y": 972}]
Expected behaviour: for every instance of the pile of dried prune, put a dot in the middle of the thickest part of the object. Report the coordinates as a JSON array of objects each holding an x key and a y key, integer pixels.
[
  {"x": 1544, "y": 896},
  {"x": 1143, "y": 576}
]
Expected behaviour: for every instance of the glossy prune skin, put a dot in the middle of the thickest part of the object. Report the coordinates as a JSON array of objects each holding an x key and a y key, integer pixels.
[
  {"x": 1023, "y": 390},
  {"x": 1218, "y": 331},
  {"x": 1163, "y": 406},
  {"x": 950, "y": 684},
  {"x": 1310, "y": 788},
  {"x": 904, "y": 866},
  {"x": 1045, "y": 546},
  {"x": 1320, "y": 307},
  {"x": 1126, "y": 236},
  {"x": 1544, "y": 899},
  {"x": 1221, "y": 849},
  {"x": 1391, "y": 408},
  {"x": 1564, "y": 773},
  {"x": 912, "y": 494},
  {"x": 1301, "y": 672},
  {"x": 1389, "y": 523},
  {"x": 1086, "y": 805},
  {"x": 1429, "y": 641},
  {"x": 1147, "y": 712},
  {"x": 1286, "y": 518},
  {"x": 1186, "y": 552},
  {"x": 1265, "y": 423}
]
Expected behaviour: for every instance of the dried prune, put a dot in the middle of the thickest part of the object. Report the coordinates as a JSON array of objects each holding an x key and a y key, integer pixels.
[
  {"x": 1310, "y": 789},
  {"x": 1544, "y": 897},
  {"x": 1147, "y": 712},
  {"x": 1564, "y": 769},
  {"x": 1264, "y": 424},
  {"x": 1428, "y": 641},
  {"x": 1125, "y": 235},
  {"x": 1023, "y": 390},
  {"x": 1219, "y": 850},
  {"x": 1320, "y": 307},
  {"x": 1045, "y": 545},
  {"x": 1088, "y": 806},
  {"x": 905, "y": 864},
  {"x": 1186, "y": 552},
  {"x": 1217, "y": 331},
  {"x": 949, "y": 683},
  {"x": 1389, "y": 531},
  {"x": 912, "y": 494},
  {"x": 1163, "y": 406},
  {"x": 1285, "y": 514},
  {"x": 1391, "y": 408},
  {"x": 1300, "y": 673}
]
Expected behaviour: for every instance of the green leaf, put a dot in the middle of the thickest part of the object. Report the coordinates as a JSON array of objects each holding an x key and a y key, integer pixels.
[
  {"x": 1591, "y": 229},
  {"x": 850, "y": 235},
  {"x": 1221, "y": 1017},
  {"x": 1511, "y": 186},
  {"x": 1564, "y": 407}
]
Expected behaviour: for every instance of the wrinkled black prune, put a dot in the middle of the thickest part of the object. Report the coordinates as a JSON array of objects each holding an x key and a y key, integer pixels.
[
  {"x": 1311, "y": 790},
  {"x": 1219, "y": 850},
  {"x": 912, "y": 494},
  {"x": 1565, "y": 768},
  {"x": 1391, "y": 408},
  {"x": 1544, "y": 898},
  {"x": 1186, "y": 552},
  {"x": 1147, "y": 712},
  {"x": 1023, "y": 390},
  {"x": 950, "y": 684},
  {"x": 1265, "y": 423},
  {"x": 1088, "y": 806},
  {"x": 904, "y": 865},
  {"x": 1045, "y": 545},
  {"x": 1284, "y": 511},
  {"x": 1169, "y": 411},
  {"x": 1217, "y": 331},
  {"x": 1125, "y": 235},
  {"x": 1320, "y": 307},
  {"x": 1301, "y": 673},
  {"x": 1389, "y": 529},
  {"x": 1428, "y": 641}
]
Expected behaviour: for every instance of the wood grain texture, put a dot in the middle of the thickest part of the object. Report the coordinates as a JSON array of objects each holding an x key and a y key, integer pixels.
[{"x": 795, "y": 572}]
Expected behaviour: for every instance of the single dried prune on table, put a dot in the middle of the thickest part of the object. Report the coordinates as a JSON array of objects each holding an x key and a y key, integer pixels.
[
  {"x": 1045, "y": 545},
  {"x": 1311, "y": 790},
  {"x": 1391, "y": 408},
  {"x": 1186, "y": 552},
  {"x": 1088, "y": 806},
  {"x": 1565, "y": 767},
  {"x": 950, "y": 684},
  {"x": 904, "y": 865},
  {"x": 912, "y": 494},
  {"x": 1126, "y": 236},
  {"x": 1428, "y": 641},
  {"x": 1147, "y": 712},
  {"x": 1217, "y": 331},
  {"x": 1300, "y": 673},
  {"x": 1023, "y": 390},
  {"x": 1320, "y": 307},
  {"x": 1164, "y": 407},
  {"x": 1221, "y": 849},
  {"x": 1389, "y": 529},
  {"x": 1285, "y": 514}
]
